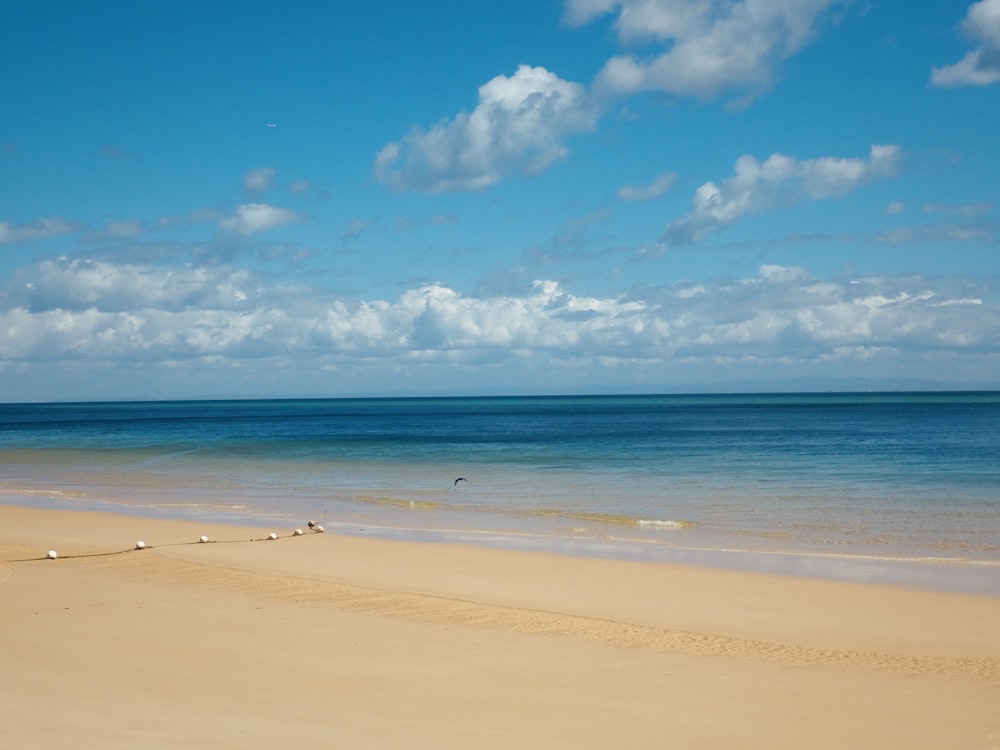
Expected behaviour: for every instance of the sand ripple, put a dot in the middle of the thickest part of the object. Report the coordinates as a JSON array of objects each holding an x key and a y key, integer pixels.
[{"x": 444, "y": 610}]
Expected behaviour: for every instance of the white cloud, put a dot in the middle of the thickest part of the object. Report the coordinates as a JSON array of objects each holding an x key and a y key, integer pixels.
[
  {"x": 258, "y": 180},
  {"x": 707, "y": 47},
  {"x": 779, "y": 180},
  {"x": 579, "y": 12},
  {"x": 13, "y": 233},
  {"x": 516, "y": 127},
  {"x": 635, "y": 193},
  {"x": 894, "y": 208},
  {"x": 520, "y": 123},
  {"x": 77, "y": 284},
  {"x": 251, "y": 218},
  {"x": 981, "y": 65},
  {"x": 101, "y": 312}
]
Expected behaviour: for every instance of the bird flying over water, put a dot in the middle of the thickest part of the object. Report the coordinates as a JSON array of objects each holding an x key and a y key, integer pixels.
[{"x": 460, "y": 479}]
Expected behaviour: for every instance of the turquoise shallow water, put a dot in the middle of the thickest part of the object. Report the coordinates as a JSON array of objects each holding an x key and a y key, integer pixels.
[{"x": 900, "y": 487}]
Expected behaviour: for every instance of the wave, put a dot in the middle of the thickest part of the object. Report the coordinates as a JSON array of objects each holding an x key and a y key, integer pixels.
[
  {"x": 653, "y": 523},
  {"x": 45, "y": 493},
  {"x": 606, "y": 518},
  {"x": 612, "y": 519},
  {"x": 821, "y": 554}
]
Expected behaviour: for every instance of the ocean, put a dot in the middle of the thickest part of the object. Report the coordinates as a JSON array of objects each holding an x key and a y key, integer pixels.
[{"x": 899, "y": 488}]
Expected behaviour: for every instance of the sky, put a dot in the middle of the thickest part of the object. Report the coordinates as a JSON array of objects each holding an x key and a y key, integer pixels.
[{"x": 261, "y": 199}]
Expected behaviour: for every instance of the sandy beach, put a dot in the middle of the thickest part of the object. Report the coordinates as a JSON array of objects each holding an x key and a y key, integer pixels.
[{"x": 339, "y": 641}]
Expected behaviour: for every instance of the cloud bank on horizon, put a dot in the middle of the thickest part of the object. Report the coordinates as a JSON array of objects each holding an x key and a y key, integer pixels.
[{"x": 714, "y": 192}]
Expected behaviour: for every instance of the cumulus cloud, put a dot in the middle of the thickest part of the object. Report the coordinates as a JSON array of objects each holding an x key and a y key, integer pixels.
[
  {"x": 779, "y": 180},
  {"x": 981, "y": 65},
  {"x": 520, "y": 123},
  {"x": 517, "y": 126},
  {"x": 12, "y": 233},
  {"x": 251, "y": 218},
  {"x": 64, "y": 311},
  {"x": 78, "y": 284},
  {"x": 635, "y": 193},
  {"x": 706, "y": 47}
]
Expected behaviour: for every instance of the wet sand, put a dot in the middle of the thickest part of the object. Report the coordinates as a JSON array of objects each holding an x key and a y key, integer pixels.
[{"x": 352, "y": 642}]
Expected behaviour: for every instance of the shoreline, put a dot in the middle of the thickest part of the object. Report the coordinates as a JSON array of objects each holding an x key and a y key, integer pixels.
[
  {"x": 944, "y": 574},
  {"x": 378, "y": 642},
  {"x": 941, "y": 574}
]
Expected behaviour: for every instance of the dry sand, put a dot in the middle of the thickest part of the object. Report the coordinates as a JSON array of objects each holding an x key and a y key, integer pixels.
[{"x": 333, "y": 641}]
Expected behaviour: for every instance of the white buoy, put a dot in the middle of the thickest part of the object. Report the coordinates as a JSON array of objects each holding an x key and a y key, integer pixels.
[
  {"x": 320, "y": 529},
  {"x": 140, "y": 544},
  {"x": 272, "y": 536},
  {"x": 52, "y": 554},
  {"x": 298, "y": 532},
  {"x": 203, "y": 539}
]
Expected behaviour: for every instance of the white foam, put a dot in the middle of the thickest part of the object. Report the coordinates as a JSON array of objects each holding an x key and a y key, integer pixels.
[{"x": 662, "y": 524}]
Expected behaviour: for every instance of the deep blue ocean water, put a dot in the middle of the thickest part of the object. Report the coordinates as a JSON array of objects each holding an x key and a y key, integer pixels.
[{"x": 867, "y": 486}]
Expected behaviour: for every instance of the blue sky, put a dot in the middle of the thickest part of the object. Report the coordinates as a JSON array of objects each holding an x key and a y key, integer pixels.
[{"x": 302, "y": 198}]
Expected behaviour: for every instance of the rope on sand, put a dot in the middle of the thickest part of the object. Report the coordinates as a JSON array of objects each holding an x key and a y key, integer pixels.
[{"x": 52, "y": 554}]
